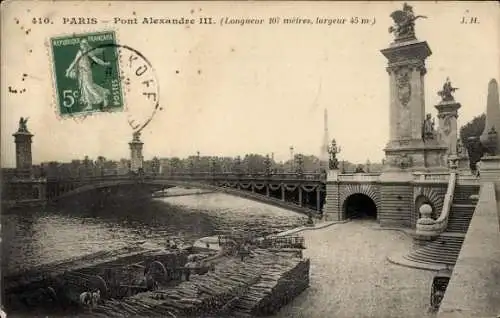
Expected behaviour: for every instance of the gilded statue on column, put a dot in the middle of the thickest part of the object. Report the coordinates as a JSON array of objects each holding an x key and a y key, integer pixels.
[
  {"x": 447, "y": 92},
  {"x": 23, "y": 127},
  {"x": 404, "y": 22}
]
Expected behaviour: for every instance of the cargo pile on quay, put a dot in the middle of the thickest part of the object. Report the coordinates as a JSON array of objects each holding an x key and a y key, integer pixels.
[
  {"x": 40, "y": 274},
  {"x": 241, "y": 276},
  {"x": 258, "y": 285}
]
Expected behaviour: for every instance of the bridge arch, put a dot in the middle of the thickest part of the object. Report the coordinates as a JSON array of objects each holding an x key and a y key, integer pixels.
[
  {"x": 227, "y": 188},
  {"x": 359, "y": 198}
]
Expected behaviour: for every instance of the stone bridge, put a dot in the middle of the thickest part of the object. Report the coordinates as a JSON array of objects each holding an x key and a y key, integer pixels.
[
  {"x": 393, "y": 203},
  {"x": 337, "y": 196},
  {"x": 298, "y": 192}
]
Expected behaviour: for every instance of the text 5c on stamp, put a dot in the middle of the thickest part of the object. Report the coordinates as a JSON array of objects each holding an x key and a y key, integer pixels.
[{"x": 86, "y": 73}]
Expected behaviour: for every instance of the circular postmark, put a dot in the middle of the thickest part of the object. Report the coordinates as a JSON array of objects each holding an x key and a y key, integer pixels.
[
  {"x": 95, "y": 74},
  {"x": 138, "y": 84}
]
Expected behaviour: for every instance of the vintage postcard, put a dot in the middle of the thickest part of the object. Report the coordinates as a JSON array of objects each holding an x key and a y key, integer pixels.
[{"x": 250, "y": 158}]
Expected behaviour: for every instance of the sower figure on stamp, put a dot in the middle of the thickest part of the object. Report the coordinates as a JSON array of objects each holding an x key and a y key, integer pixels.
[{"x": 81, "y": 70}]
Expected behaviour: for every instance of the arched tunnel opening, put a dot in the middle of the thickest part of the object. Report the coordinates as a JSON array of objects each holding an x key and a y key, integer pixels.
[{"x": 360, "y": 206}]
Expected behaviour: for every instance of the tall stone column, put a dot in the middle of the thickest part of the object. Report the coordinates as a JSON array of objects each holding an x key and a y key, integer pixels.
[
  {"x": 23, "y": 140},
  {"x": 136, "y": 158},
  {"x": 407, "y": 150},
  {"x": 406, "y": 70},
  {"x": 448, "y": 131}
]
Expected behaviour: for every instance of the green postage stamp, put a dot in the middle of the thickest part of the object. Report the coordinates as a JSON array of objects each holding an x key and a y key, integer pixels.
[{"x": 86, "y": 73}]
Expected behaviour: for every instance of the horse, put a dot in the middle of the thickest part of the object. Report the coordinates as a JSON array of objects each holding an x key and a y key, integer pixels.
[
  {"x": 148, "y": 281},
  {"x": 90, "y": 299}
]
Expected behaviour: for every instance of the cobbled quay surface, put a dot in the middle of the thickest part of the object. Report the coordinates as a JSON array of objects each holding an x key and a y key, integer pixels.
[{"x": 351, "y": 276}]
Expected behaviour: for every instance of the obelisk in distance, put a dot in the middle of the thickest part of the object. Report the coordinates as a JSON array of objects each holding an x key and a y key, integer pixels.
[
  {"x": 326, "y": 141},
  {"x": 492, "y": 112},
  {"x": 490, "y": 161}
]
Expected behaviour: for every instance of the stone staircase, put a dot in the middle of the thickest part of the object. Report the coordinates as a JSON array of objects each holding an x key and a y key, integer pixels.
[
  {"x": 460, "y": 216},
  {"x": 446, "y": 248},
  {"x": 443, "y": 250},
  {"x": 462, "y": 209}
]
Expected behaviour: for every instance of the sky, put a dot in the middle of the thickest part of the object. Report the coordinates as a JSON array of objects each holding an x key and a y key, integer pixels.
[{"x": 228, "y": 90}]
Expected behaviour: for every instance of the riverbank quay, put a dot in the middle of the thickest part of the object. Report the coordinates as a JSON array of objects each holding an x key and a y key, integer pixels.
[
  {"x": 18, "y": 280},
  {"x": 113, "y": 273},
  {"x": 212, "y": 242},
  {"x": 258, "y": 285},
  {"x": 350, "y": 275}
]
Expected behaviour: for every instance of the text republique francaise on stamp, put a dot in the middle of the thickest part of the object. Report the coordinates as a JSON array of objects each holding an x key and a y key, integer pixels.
[{"x": 86, "y": 73}]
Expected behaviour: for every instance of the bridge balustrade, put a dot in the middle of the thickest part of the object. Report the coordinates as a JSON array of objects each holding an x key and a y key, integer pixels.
[
  {"x": 468, "y": 179},
  {"x": 366, "y": 177},
  {"x": 201, "y": 176},
  {"x": 431, "y": 176},
  {"x": 245, "y": 176}
]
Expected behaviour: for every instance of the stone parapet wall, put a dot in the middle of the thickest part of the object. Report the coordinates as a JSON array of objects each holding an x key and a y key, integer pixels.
[
  {"x": 473, "y": 288},
  {"x": 396, "y": 204},
  {"x": 332, "y": 209},
  {"x": 396, "y": 201}
]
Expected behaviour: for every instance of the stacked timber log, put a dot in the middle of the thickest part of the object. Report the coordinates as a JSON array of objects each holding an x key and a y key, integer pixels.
[
  {"x": 49, "y": 271},
  {"x": 282, "y": 281},
  {"x": 234, "y": 286},
  {"x": 282, "y": 242}
]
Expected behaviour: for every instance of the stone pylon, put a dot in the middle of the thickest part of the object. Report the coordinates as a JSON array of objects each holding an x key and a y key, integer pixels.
[
  {"x": 448, "y": 130},
  {"x": 136, "y": 158},
  {"x": 490, "y": 164},
  {"x": 23, "y": 140},
  {"x": 413, "y": 143}
]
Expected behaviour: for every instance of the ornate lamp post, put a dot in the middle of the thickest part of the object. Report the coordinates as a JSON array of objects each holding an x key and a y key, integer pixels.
[
  {"x": 237, "y": 165},
  {"x": 211, "y": 163},
  {"x": 198, "y": 161},
  {"x": 191, "y": 166},
  {"x": 267, "y": 163},
  {"x": 291, "y": 158},
  {"x": 300, "y": 164},
  {"x": 333, "y": 150}
]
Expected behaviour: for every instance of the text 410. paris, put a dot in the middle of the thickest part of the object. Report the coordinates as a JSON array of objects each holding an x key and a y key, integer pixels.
[{"x": 126, "y": 20}]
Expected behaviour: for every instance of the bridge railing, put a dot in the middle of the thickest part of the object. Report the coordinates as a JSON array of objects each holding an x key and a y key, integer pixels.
[
  {"x": 359, "y": 176},
  {"x": 466, "y": 178},
  {"x": 200, "y": 176},
  {"x": 431, "y": 177},
  {"x": 243, "y": 176},
  {"x": 428, "y": 227}
]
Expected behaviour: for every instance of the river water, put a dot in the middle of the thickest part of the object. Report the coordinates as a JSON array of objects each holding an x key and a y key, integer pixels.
[{"x": 40, "y": 236}]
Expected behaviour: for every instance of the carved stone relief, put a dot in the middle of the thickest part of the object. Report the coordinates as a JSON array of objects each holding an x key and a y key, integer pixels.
[{"x": 404, "y": 86}]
